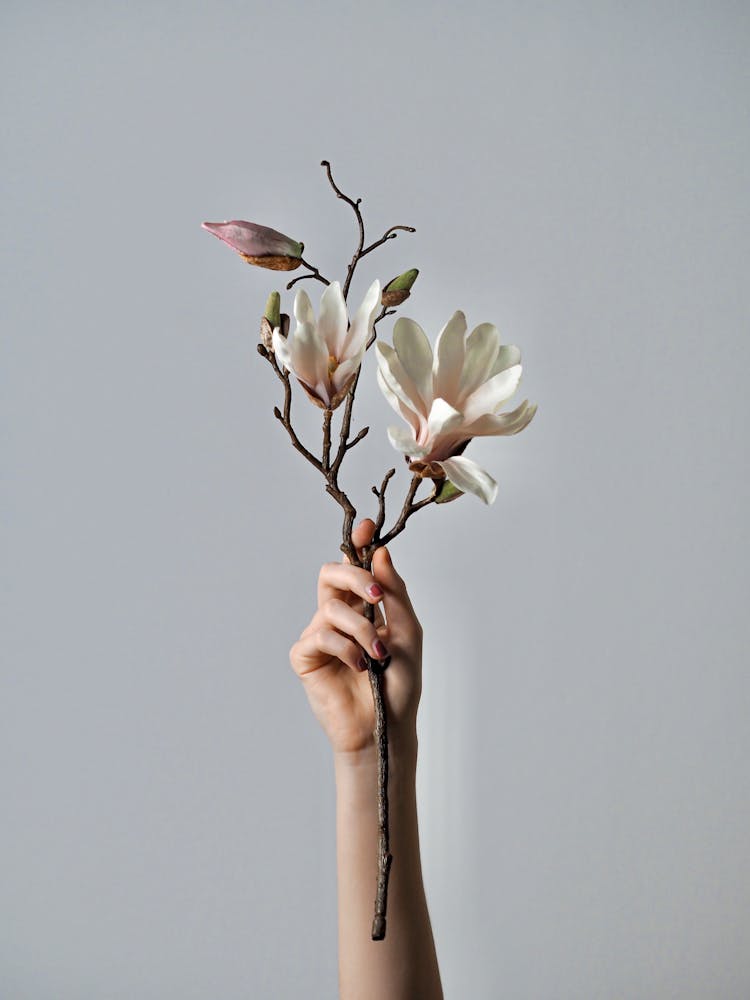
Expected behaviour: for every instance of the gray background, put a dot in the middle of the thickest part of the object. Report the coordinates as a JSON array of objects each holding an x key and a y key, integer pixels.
[{"x": 577, "y": 173}]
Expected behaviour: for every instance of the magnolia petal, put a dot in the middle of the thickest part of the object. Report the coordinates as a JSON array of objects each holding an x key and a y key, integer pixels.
[
  {"x": 469, "y": 477},
  {"x": 309, "y": 355},
  {"x": 405, "y": 411},
  {"x": 303, "y": 310},
  {"x": 403, "y": 440},
  {"x": 251, "y": 239},
  {"x": 482, "y": 347},
  {"x": 345, "y": 370},
  {"x": 503, "y": 423},
  {"x": 450, "y": 352},
  {"x": 490, "y": 396},
  {"x": 507, "y": 356},
  {"x": 361, "y": 328},
  {"x": 332, "y": 319},
  {"x": 443, "y": 418},
  {"x": 281, "y": 348},
  {"x": 415, "y": 354},
  {"x": 397, "y": 378}
]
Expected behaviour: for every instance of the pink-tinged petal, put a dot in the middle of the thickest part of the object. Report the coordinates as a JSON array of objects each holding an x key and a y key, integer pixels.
[
  {"x": 415, "y": 354},
  {"x": 442, "y": 419},
  {"x": 507, "y": 356},
  {"x": 361, "y": 328},
  {"x": 303, "y": 310},
  {"x": 482, "y": 346},
  {"x": 502, "y": 423},
  {"x": 332, "y": 320},
  {"x": 345, "y": 371},
  {"x": 309, "y": 360},
  {"x": 397, "y": 379},
  {"x": 470, "y": 478},
  {"x": 450, "y": 351},
  {"x": 405, "y": 411},
  {"x": 490, "y": 396},
  {"x": 254, "y": 240},
  {"x": 402, "y": 440}
]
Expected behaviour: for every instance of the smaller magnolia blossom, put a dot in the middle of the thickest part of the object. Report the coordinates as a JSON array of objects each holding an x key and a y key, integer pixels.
[
  {"x": 259, "y": 245},
  {"x": 449, "y": 397},
  {"x": 325, "y": 354}
]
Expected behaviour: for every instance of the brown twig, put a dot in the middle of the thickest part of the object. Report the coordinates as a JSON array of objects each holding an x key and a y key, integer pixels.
[
  {"x": 327, "y": 414},
  {"x": 315, "y": 273},
  {"x": 391, "y": 234},
  {"x": 361, "y": 251}
]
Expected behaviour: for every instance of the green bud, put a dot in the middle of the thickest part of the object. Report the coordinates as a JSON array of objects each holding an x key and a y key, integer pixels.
[
  {"x": 273, "y": 310},
  {"x": 403, "y": 282},
  {"x": 448, "y": 492},
  {"x": 399, "y": 289}
]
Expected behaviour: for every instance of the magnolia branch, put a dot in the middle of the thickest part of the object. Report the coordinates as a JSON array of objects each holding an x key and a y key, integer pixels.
[
  {"x": 329, "y": 468},
  {"x": 361, "y": 251}
]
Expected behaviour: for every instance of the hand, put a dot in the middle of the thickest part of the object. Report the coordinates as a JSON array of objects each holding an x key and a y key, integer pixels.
[{"x": 328, "y": 655}]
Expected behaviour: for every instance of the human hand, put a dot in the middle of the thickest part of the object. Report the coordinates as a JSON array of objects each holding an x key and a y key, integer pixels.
[{"x": 328, "y": 657}]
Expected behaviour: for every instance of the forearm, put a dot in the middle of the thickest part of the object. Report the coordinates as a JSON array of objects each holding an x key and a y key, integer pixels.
[{"x": 404, "y": 965}]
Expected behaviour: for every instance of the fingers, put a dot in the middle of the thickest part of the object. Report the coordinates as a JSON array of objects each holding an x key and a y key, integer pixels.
[
  {"x": 341, "y": 581},
  {"x": 314, "y": 648},
  {"x": 362, "y": 533},
  {"x": 346, "y": 619},
  {"x": 398, "y": 606}
]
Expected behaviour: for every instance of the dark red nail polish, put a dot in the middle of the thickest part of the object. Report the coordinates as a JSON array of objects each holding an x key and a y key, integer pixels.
[
  {"x": 374, "y": 590},
  {"x": 380, "y": 651}
]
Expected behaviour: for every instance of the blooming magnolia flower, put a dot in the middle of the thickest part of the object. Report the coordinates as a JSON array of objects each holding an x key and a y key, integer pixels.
[
  {"x": 258, "y": 244},
  {"x": 325, "y": 354},
  {"x": 450, "y": 397}
]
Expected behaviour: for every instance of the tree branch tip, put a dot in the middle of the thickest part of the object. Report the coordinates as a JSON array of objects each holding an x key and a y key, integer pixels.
[
  {"x": 262, "y": 350},
  {"x": 277, "y": 413}
]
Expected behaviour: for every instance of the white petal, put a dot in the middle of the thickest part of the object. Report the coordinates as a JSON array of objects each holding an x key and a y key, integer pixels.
[
  {"x": 470, "y": 478},
  {"x": 507, "y": 356},
  {"x": 448, "y": 363},
  {"x": 281, "y": 348},
  {"x": 345, "y": 370},
  {"x": 490, "y": 397},
  {"x": 361, "y": 328},
  {"x": 482, "y": 348},
  {"x": 333, "y": 320},
  {"x": 415, "y": 354},
  {"x": 502, "y": 423},
  {"x": 405, "y": 411},
  {"x": 397, "y": 379},
  {"x": 309, "y": 355},
  {"x": 303, "y": 310},
  {"x": 402, "y": 439},
  {"x": 442, "y": 418}
]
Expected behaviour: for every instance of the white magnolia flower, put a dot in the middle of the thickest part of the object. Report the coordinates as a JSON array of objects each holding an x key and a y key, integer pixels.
[
  {"x": 451, "y": 397},
  {"x": 325, "y": 354}
]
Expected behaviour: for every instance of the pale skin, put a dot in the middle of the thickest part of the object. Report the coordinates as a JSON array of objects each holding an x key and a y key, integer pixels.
[{"x": 328, "y": 660}]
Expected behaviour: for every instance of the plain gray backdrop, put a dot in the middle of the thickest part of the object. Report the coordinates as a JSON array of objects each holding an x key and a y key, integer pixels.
[{"x": 577, "y": 174}]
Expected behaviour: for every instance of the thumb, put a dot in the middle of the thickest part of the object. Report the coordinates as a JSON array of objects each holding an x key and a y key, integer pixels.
[{"x": 398, "y": 606}]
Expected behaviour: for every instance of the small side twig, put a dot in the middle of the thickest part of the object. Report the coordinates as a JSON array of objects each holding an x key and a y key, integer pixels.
[
  {"x": 390, "y": 234},
  {"x": 380, "y": 494},
  {"x": 314, "y": 273}
]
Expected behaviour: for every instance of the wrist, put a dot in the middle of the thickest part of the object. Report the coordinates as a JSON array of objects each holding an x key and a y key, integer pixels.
[{"x": 402, "y": 755}]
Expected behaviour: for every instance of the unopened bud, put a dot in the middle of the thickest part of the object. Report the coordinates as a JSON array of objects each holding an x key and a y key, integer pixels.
[{"x": 399, "y": 289}]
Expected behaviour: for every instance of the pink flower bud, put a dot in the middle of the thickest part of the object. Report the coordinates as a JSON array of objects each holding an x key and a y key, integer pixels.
[{"x": 259, "y": 245}]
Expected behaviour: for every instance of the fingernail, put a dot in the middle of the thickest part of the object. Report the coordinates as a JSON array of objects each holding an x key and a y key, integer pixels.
[
  {"x": 380, "y": 651},
  {"x": 362, "y": 663},
  {"x": 374, "y": 590}
]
